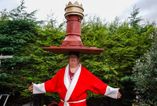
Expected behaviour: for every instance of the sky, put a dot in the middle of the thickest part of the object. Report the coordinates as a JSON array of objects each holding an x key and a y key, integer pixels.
[{"x": 105, "y": 9}]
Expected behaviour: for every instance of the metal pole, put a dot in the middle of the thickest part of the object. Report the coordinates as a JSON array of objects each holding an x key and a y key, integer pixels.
[
  {"x": 4, "y": 57},
  {"x": 5, "y": 99}
]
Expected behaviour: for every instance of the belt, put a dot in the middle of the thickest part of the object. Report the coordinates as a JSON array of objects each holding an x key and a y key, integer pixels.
[{"x": 66, "y": 103}]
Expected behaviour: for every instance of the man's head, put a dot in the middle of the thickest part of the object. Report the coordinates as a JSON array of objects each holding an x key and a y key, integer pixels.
[{"x": 74, "y": 59}]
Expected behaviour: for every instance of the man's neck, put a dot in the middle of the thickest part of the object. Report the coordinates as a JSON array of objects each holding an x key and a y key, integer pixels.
[{"x": 73, "y": 69}]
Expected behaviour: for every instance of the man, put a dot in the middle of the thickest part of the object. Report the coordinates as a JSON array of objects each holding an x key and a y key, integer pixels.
[{"x": 72, "y": 83}]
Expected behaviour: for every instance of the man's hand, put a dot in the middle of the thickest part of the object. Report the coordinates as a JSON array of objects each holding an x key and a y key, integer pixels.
[
  {"x": 30, "y": 88},
  {"x": 119, "y": 95}
]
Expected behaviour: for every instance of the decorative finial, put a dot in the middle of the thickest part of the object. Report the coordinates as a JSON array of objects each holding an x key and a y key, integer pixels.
[
  {"x": 70, "y": 3},
  {"x": 74, "y": 8},
  {"x": 76, "y": 2},
  {"x": 79, "y": 1}
]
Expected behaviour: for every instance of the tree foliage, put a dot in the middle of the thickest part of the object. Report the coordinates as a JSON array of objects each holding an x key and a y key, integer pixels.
[
  {"x": 22, "y": 37},
  {"x": 145, "y": 76},
  {"x": 16, "y": 38}
]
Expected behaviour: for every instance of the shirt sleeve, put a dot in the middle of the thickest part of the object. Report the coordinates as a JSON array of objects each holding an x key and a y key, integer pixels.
[
  {"x": 38, "y": 88},
  {"x": 48, "y": 86},
  {"x": 99, "y": 87},
  {"x": 111, "y": 92},
  {"x": 95, "y": 84},
  {"x": 52, "y": 84}
]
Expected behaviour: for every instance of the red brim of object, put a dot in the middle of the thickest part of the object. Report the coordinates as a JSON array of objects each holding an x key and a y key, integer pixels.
[{"x": 67, "y": 49}]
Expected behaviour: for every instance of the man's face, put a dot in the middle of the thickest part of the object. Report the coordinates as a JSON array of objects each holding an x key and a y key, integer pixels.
[{"x": 73, "y": 61}]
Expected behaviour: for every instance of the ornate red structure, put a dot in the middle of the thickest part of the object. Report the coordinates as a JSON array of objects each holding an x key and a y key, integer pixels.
[{"x": 72, "y": 41}]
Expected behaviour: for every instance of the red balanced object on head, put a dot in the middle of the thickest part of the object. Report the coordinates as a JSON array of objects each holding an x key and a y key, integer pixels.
[{"x": 72, "y": 41}]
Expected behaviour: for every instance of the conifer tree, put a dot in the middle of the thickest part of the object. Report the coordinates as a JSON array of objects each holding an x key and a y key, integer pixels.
[{"x": 145, "y": 77}]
